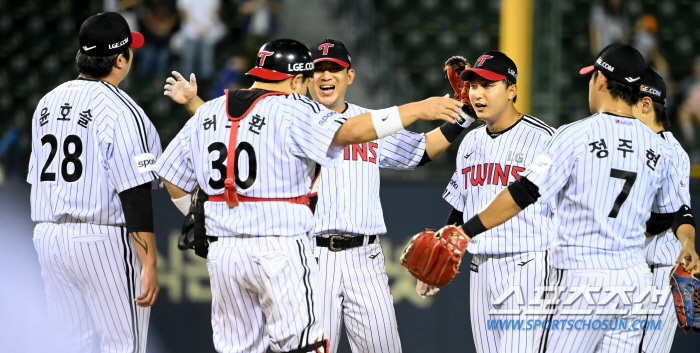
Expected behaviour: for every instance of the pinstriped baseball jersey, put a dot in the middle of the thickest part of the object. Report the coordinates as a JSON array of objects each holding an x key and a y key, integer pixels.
[
  {"x": 91, "y": 142},
  {"x": 487, "y": 163},
  {"x": 348, "y": 198},
  {"x": 607, "y": 173},
  {"x": 279, "y": 143},
  {"x": 664, "y": 248}
]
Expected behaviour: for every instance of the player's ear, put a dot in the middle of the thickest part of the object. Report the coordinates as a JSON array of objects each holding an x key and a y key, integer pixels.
[
  {"x": 351, "y": 76},
  {"x": 512, "y": 91},
  {"x": 647, "y": 105},
  {"x": 601, "y": 82}
]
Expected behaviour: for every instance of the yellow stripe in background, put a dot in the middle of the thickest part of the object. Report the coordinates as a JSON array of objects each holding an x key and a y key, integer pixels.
[{"x": 515, "y": 40}]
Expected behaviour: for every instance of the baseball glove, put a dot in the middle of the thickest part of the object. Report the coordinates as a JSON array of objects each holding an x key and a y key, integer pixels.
[
  {"x": 686, "y": 296},
  {"x": 453, "y": 67},
  {"x": 434, "y": 257}
]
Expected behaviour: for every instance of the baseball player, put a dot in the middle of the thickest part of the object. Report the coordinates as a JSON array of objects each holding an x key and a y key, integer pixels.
[
  {"x": 93, "y": 151},
  {"x": 490, "y": 158},
  {"x": 608, "y": 172},
  {"x": 263, "y": 277},
  {"x": 662, "y": 250}
]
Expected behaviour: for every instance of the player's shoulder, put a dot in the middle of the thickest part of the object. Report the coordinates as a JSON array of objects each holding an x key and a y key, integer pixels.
[
  {"x": 532, "y": 123},
  {"x": 303, "y": 102},
  {"x": 352, "y": 110}
]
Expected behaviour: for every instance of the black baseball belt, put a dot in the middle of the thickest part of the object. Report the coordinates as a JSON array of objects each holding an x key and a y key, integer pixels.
[{"x": 340, "y": 242}]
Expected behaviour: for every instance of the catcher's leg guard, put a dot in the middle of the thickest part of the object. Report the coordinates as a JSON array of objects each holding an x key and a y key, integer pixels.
[{"x": 320, "y": 346}]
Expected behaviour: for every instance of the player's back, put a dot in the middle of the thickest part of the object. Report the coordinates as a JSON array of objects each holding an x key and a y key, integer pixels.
[
  {"x": 90, "y": 141},
  {"x": 663, "y": 249},
  {"x": 279, "y": 142},
  {"x": 610, "y": 170}
]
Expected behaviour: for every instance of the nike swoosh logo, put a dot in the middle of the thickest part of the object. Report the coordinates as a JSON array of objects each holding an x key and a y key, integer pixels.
[
  {"x": 630, "y": 79},
  {"x": 373, "y": 256},
  {"x": 524, "y": 262},
  {"x": 688, "y": 215},
  {"x": 92, "y": 47},
  {"x": 384, "y": 118},
  {"x": 469, "y": 155}
]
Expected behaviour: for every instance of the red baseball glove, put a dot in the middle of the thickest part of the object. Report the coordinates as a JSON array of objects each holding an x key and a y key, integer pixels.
[
  {"x": 434, "y": 257},
  {"x": 453, "y": 67}
]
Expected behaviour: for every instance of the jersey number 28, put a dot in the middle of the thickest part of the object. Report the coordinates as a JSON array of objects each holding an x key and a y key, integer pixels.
[
  {"x": 69, "y": 158},
  {"x": 219, "y": 165}
]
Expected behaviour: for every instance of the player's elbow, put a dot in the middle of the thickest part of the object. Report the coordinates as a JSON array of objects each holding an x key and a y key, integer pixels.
[{"x": 348, "y": 135}]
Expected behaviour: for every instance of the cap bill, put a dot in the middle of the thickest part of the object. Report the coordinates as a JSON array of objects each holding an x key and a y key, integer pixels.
[
  {"x": 586, "y": 70},
  {"x": 489, "y": 75},
  {"x": 136, "y": 40},
  {"x": 268, "y": 74},
  {"x": 337, "y": 61}
]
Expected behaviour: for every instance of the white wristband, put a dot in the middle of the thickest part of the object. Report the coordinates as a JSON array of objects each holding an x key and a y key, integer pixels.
[
  {"x": 183, "y": 204},
  {"x": 386, "y": 121}
]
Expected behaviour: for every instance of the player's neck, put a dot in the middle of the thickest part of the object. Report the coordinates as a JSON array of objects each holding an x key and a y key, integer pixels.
[
  {"x": 508, "y": 117},
  {"x": 111, "y": 79},
  {"x": 616, "y": 107},
  {"x": 339, "y": 107},
  {"x": 282, "y": 86}
]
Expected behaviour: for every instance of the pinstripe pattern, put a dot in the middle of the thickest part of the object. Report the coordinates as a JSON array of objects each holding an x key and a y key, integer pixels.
[
  {"x": 587, "y": 237},
  {"x": 263, "y": 293},
  {"x": 660, "y": 341},
  {"x": 92, "y": 275},
  {"x": 490, "y": 277},
  {"x": 355, "y": 291},
  {"x": 486, "y": 165},
  {"x": 590, "y": 340},
  {"x": 119, "y": 131},
  {"x": 348, "y": 193},
  {"x": 287, "y": 148}
]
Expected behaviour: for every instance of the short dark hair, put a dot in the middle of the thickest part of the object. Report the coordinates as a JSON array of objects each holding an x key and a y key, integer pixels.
[
  {"x": 661, "y": 117},
  {"x": 509, "y": 83},
  {"x": 98, "y": 66},
  {"x": 618, "y": 91}
]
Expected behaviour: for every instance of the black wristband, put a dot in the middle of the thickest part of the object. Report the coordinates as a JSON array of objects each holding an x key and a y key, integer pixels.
[
  {"x": 683, "y": 216},
  {"x": 473, "y": 227},
  {"x": 451, "y": 131}
]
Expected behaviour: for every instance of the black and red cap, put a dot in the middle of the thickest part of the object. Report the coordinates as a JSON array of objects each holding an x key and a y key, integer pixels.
[
  {"x": 281, "y": 59},
  {"x": 107, "y": 34},
  {"x": 620, "y": 62},
  {"x": 653, "y": 86},
  {"x": 493, "y": 66},
  {"x": 331, "y": 50}
]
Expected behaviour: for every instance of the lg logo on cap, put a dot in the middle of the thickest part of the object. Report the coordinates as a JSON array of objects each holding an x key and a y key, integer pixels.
[
  {"x": 300, "y": 67},
  {"x": 651, "y": 90},
  {"x": 117, "y": 45}
]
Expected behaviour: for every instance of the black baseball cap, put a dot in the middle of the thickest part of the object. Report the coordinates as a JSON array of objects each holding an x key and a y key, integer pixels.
[
  {"x": 653, "y": 86},
  {"x": 620, "y": 62},
  {"x": 281, "y": 59},
  {"x": 331, "y": 50},
  {"x": 493, "y": 66},
  {"x": 107, "y": 34}
]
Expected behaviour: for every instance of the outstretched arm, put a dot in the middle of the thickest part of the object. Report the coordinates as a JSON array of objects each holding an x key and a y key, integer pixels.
[{"x": 183, "y": 92}]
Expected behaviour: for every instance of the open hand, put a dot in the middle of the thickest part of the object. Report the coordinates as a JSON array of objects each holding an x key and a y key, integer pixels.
[{"x": 180, "y": 90}]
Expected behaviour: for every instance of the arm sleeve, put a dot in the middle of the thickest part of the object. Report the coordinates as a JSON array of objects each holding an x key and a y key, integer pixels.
[
  {"x": 402, "y": 150},
  {"x": 138, "y": 208},
  {"x": 453, "y": 192},
  {"x": 550, "y": 171},
  {"x": 312, "y": 129},
  {"x": 130, "y": 160},
  {"x": 176, "y": 165},
  {"x": 455, "y": 217}
]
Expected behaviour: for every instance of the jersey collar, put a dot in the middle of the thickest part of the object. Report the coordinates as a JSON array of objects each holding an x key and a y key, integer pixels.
[{"x": 493, "y": 135}]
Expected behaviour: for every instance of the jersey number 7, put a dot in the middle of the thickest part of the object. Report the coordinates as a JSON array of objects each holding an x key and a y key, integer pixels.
[
  {"x": 219, "y": 165},
  {"x": 629, "y": 178}
]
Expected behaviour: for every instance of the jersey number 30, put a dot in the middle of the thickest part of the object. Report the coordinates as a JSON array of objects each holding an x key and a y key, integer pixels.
[
  {"x": 69, "y": 158},
  {"x": 219, "y": 165}
]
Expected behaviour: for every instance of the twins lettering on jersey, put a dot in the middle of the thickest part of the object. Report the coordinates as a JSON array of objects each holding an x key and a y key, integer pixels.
[
  {"x": 363, "y": 152},
  {"x": 491, "y": 174}
]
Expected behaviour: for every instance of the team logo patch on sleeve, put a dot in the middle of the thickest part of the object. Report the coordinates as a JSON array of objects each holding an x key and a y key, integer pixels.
[
  {"x": 541, "y": 164},
  {"x": 145, "y": 162}
]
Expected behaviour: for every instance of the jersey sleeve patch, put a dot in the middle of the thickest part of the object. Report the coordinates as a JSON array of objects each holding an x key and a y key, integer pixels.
[
  {"x": 541, "y": 164},
  {"x": 145, "y": 162}
]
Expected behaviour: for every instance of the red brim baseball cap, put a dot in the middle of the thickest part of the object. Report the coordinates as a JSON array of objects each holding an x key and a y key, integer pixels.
[
  {"x": 586, "y": 70},
  {"x": 136, "y": 40},
  {"x": 489, "y": 75},
  {"x": 268, "y": 74},
  {"x": 337, "y": 61}
]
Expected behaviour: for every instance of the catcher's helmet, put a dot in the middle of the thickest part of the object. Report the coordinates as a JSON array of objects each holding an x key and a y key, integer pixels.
[{"x": 281, "y": 59}]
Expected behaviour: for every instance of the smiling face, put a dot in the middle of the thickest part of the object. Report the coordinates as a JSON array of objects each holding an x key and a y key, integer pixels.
[
  {"x": 490, "y": 99},
  {"x": 330, "y": 83}
]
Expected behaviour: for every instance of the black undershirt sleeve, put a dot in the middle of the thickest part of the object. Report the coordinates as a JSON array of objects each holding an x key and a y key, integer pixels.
[
  {"x": 524, "y": 192},
  {"x": 137, "y": 205},
  {"x": 455, "y": 217},
  {"x": 425, "y": 159}
]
